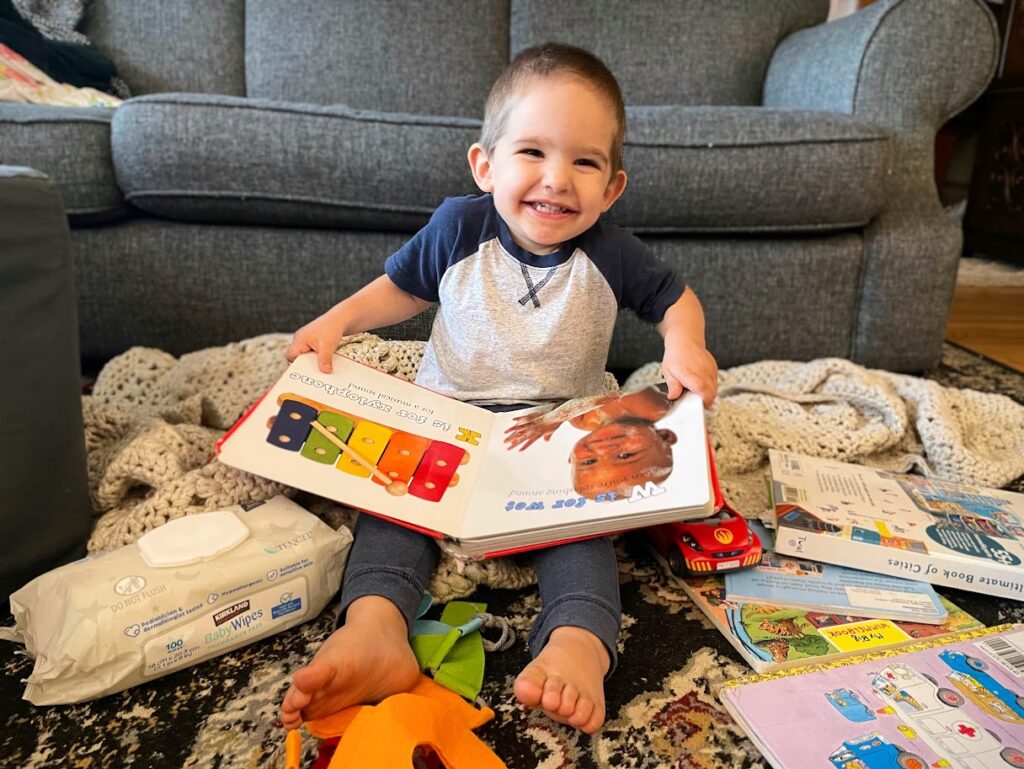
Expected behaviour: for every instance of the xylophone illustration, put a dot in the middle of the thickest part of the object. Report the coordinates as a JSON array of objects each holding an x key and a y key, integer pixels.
[{"x": 402, "y": 462}]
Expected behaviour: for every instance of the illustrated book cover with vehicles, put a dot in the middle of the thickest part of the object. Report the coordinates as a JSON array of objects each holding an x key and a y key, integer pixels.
[
  {"x": 954, "y": 534},
  {"x": 956, "y": 701},
  {"x": 486, "y": 483}
]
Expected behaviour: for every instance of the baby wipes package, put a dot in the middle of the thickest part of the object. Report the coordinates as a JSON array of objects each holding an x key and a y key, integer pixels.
[{"x": 197, "y": 587}]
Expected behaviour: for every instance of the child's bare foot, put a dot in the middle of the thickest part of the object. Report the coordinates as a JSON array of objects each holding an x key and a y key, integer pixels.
[
  {"x": 365, "y": 660},
  {"x": 566, "y": 680}
]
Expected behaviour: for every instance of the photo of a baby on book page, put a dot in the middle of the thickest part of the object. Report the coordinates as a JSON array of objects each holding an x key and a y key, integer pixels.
[
  {"x": 618, "y": 453},
  {"x": 623, "y": 449}
]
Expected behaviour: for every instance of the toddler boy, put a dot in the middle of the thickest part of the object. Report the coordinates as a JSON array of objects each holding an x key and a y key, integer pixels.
[{"x": 528, "y": 283}]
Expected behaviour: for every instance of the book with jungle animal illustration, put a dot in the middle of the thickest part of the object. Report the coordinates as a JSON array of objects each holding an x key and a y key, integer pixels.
[
  {"x": 955, "y": 701},
  {"x": 954, "y": 534},
  {"x": 484, "y": 482}
]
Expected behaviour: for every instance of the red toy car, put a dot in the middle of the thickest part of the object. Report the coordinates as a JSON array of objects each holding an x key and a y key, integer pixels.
[{"x": 720, "y": 543}]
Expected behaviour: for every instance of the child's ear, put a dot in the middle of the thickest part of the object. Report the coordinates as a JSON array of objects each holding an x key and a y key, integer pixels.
[
  {"x": 668, "y": 436},
  {"x": 480, "y": 165},
  {"x": 614, "y": 190}
]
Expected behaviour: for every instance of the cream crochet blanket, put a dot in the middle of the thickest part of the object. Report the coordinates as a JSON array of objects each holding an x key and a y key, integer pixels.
[{"x": 152, "y": 420}]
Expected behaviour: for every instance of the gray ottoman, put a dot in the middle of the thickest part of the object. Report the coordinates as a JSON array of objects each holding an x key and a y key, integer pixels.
[{"x": 44, "y": 499}]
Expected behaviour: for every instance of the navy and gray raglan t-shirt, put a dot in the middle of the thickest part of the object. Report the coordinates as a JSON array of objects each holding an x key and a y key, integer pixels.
[{"x": 514, "y": 327}]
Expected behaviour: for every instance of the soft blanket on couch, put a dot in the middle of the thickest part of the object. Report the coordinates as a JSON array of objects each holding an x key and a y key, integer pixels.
[{"x": 152, "y": 421}]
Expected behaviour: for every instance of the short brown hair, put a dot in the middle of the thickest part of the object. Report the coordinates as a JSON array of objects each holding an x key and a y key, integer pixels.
[{"x": 546, "y": 60}]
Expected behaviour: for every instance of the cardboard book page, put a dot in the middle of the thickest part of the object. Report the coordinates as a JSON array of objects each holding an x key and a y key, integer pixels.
[
  {"x": 390, "y": 447},
  {"x": 398, "y": 449}
]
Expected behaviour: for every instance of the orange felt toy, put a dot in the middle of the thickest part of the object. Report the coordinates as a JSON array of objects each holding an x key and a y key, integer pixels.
[{"x": 387, "y": 734}]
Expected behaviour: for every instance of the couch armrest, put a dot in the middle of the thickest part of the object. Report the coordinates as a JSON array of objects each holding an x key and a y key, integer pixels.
[{"x": 905, "y": 65}]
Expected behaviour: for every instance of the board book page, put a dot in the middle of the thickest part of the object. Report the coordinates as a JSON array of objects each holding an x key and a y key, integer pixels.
[{"x": 390, "y": 447}]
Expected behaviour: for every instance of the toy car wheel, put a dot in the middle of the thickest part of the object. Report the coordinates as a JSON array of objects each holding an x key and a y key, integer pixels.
[
  {"x": 951, "y": 698},
  {"x": 975, "y": 664},
  {"x": 1012, "y": 756},
  {"x": 676, "y": 562},
  {"x": 910, "y": 761}
]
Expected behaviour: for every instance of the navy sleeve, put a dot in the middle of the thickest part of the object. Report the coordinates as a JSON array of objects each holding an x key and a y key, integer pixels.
[
  {"x": 639, "y": 280},
  {"x": 417, "y": 266}
]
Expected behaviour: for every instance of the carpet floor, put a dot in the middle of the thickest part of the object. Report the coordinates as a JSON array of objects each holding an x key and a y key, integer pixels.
[{"x": 661, "y": 708}]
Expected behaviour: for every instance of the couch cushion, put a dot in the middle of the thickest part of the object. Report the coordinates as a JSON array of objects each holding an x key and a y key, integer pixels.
[
  {"x": 184, "y": 45},
  {"x": 225, "y": 159},
  {"x": 426, "y": 57},
  {"x": 72, "y": 146},
  {"x": 686, "y": 52},
  {"x": 750, "y": 168},
  {"x": 235, "y": 160}
]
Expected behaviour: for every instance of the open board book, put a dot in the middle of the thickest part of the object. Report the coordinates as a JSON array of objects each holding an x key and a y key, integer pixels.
[
  {"x": 954, "y": 534},
  {"x": 389, "y": 447},
  {"x": 956, "y": 701}
]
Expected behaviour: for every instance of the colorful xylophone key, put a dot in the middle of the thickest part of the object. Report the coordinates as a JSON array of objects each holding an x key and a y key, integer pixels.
[
  {"x": 319, "y": 448},
  {"x": 291, "y": 425},
  {"x": 436, "y": 470},
  {"x": 402, "y": 456},
  {"x": 369, "y": 439}
]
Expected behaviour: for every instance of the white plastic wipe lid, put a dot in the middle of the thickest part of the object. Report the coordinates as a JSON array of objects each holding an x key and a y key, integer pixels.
[{"x": 192, "y": 538}]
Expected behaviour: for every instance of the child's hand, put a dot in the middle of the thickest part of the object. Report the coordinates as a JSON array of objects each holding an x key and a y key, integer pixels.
[
  {"x": 690, "y": 366},
  {"x": 531, "y": 427},
  {"x": 322, "y": 335}
]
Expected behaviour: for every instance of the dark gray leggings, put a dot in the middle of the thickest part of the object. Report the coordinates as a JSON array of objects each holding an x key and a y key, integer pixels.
[{"x": 579, "y": 581}]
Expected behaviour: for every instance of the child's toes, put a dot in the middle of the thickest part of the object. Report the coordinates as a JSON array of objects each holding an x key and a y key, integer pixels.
[
  {"x": 570, "y": 696},
  {"x": 529, "y": 686},
  {"x": 551, "y": 700},
  {"x": 583, "y": 715}
]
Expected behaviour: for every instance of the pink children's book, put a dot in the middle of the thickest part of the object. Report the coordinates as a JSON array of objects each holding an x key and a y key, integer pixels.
[
  {"x": 486, "y": 483},
  {"x": 955, "y": 701}
]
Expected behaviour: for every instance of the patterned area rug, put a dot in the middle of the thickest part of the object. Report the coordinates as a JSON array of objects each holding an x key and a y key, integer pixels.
[{"x": 662, "y": 710}]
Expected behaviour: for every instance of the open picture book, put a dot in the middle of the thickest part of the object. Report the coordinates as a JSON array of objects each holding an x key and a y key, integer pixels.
[{"x": 487, "y": 483}]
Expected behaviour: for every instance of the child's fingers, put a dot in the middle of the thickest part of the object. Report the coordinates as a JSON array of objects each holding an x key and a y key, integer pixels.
[
  {"x": 296, "y": 348},
  {"x": 325, "y": 356},
  {"x": 675, "y": 387}
]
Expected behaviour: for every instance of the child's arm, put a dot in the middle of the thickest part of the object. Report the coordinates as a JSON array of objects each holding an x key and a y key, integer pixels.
[
  {"x": 380, "y": 303},
  {"x": 687, "y": 362}
]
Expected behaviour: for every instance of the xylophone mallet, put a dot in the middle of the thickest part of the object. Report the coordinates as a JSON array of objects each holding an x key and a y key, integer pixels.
[{"x": 396, "y": 488}]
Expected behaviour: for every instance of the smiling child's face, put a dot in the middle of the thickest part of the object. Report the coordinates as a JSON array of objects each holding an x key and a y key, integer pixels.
[
  {"x": 619, "y": 456},
  {"x": 550, "y": 171}
]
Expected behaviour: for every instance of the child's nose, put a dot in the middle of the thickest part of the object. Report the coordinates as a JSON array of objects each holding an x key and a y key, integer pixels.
[{"x": 555, "y": 176}]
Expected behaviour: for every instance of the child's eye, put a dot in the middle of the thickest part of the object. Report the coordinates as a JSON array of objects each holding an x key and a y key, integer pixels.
[
  {"x": 587, "y": 162},
  {"x": 533, "y": 153},
  {"x": 587, "y": 462},
  {"x": 626, "y": 455}
]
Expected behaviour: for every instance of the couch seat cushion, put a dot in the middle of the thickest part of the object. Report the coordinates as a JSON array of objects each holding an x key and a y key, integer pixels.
[
  {"x": 751, "y": 169},
  {"x": 235, "y": 160},
  {"x": 72, "y": 146},
  {"x": 238, "y": 160}
]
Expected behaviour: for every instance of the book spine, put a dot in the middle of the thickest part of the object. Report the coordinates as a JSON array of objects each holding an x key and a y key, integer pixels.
[{"x": 975, "y": 575}]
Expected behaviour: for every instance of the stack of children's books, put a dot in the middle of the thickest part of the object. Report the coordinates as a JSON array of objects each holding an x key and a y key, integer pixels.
[{"x": 904, "y": 677}]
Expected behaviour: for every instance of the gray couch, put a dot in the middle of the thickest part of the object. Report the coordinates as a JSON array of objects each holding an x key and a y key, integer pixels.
[{"x": 277, "y": 152}]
